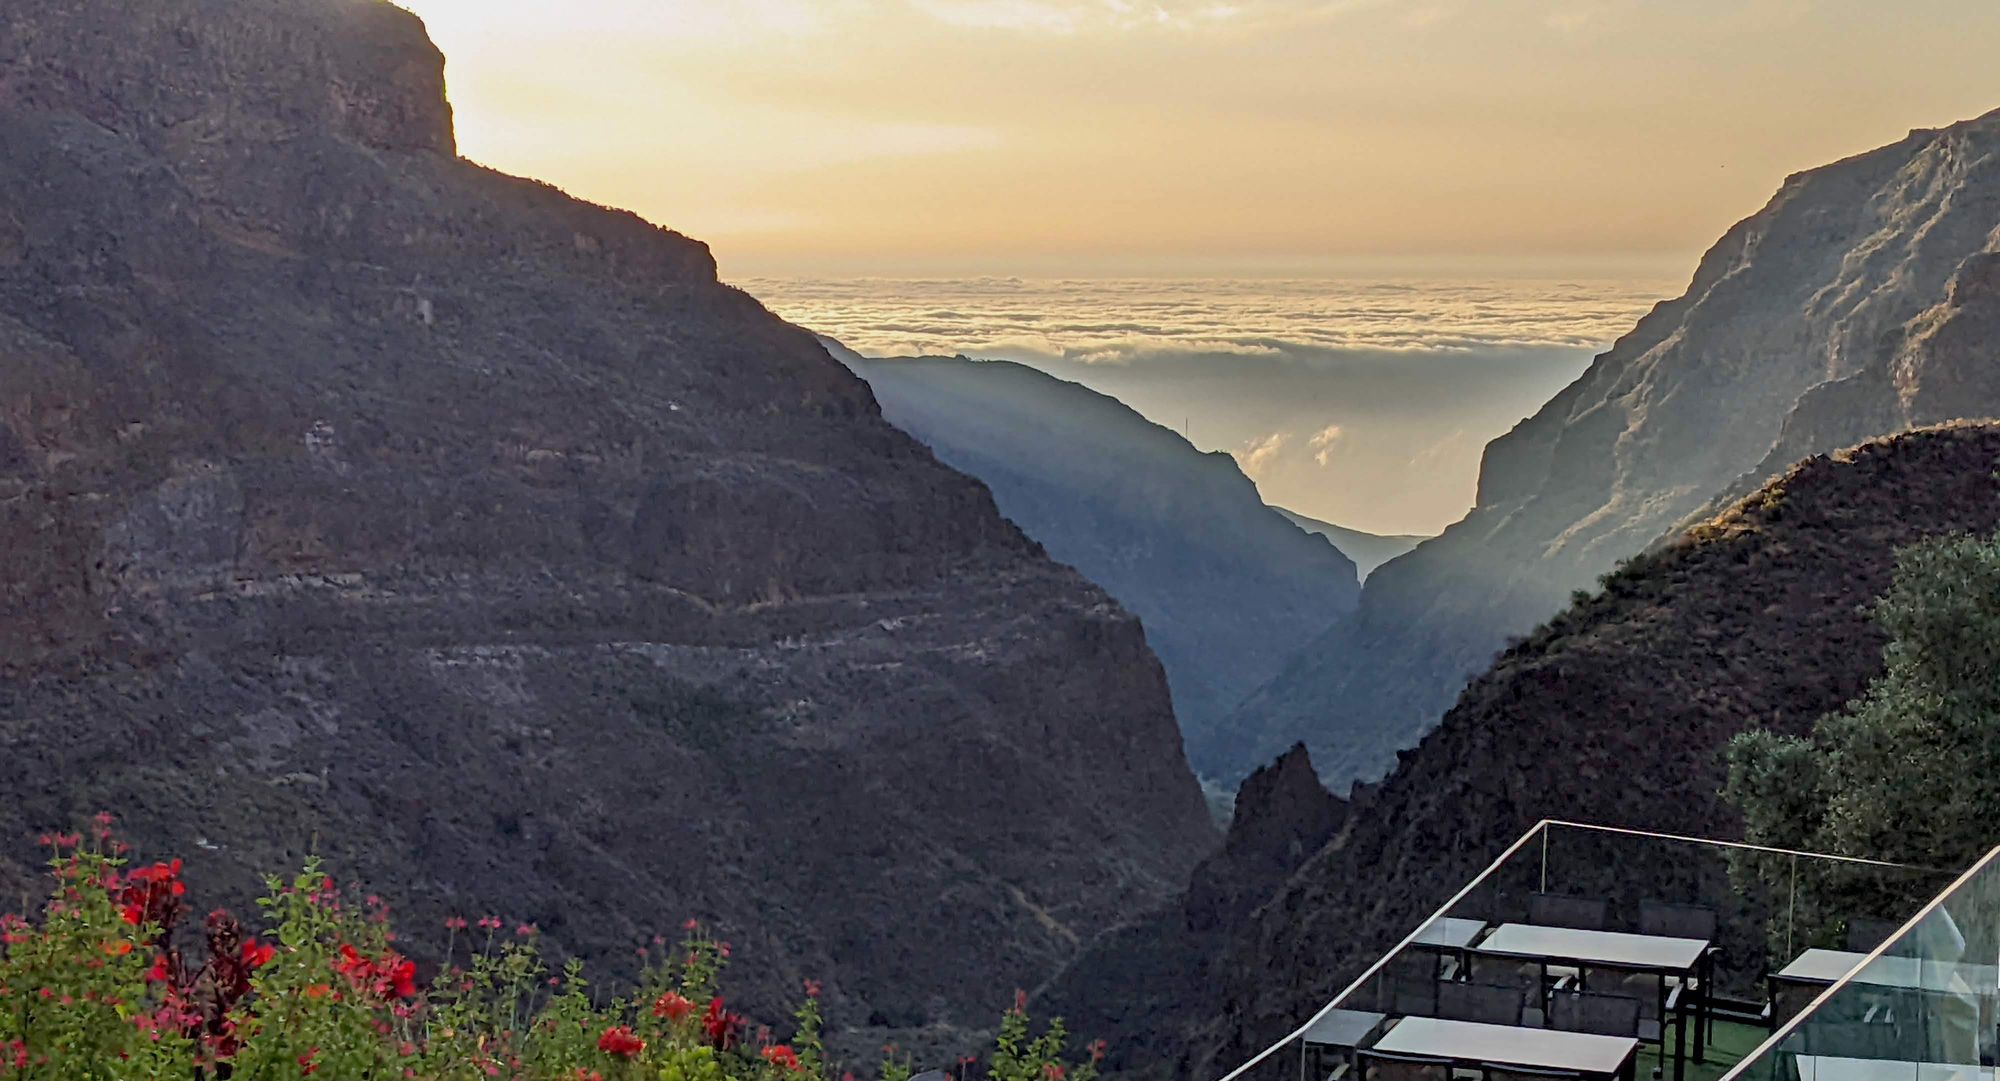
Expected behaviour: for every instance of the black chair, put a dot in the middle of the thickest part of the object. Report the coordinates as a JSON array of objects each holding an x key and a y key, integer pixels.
[
  {"x": 1408, "y": 986},
  {"x": 1671, "y": 920},
  {"x": 1864, "y": 934},
  {"x": 1383, "y": 1066},
  {"x": 1525, "y": 977},
  {"x": 1674, "y": 920},
  {"x": 1851, "y": 1039},
  {"x": 1599, "y": 1015},
  {"x": 1789, "y": 999},
  {"x": 1490, "y": 1004},
  {"x": 1577, "y": 913}
]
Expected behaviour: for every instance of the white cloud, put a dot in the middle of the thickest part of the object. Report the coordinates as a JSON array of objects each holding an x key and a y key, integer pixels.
[
  {"x": 1322, "y": 444},
  {"x": 1259, "y": 455}
]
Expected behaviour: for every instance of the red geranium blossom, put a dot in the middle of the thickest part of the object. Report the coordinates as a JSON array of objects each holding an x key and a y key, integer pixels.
[
  {"x": 783, "y": 1056},
  {"x": 672, "y": 1006},
  {"x": 620, "y": 1041},
  {"x": 389, "y": 976},
  {"x": 721, "y": 1025}
]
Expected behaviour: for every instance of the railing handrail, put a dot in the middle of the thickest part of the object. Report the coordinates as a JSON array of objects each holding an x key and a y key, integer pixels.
[
  {"x": 1744, "y": 845},
  {"x": 1540, "y": 828}
]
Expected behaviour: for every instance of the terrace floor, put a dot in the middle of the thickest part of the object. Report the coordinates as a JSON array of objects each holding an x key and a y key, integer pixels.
[{"x": 1732, "y": 1044}]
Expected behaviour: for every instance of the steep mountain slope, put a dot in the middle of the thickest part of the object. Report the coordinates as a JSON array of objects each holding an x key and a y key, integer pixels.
[
  {"x": 1854, "y": 305},
  {"x": 1227, "y": 588},
  {"x": 358, "y": 497},
  {"x": 1616, "y": 712},
  {"x": 1367, "y": 550}
]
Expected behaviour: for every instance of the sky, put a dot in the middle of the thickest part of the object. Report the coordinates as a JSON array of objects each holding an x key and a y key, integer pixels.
[{"x": 1170, "y": 137}]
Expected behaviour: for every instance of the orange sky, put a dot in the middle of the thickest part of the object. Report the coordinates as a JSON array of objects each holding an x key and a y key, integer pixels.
[{"x": 901, "y": 137}]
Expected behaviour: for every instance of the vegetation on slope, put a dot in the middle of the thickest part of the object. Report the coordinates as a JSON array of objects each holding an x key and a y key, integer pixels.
[{"x": 1910, "y": 770}]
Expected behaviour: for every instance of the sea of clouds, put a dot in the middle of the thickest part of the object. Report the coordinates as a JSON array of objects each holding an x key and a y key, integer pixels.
[{"x": 1365, "y": 403}]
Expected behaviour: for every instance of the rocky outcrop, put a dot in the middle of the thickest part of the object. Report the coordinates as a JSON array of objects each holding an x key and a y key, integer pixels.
[
  {"x": 1616, "y": 712},
  {"x": 1227, "y": 587},
  {"x": 1856, "y": 304},
  {"x": 1163, "y": 966},
  {"x": 361, "y": 499}
]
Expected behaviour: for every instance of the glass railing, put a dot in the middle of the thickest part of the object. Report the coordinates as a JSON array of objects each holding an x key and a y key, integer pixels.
[
  {"x": 1922, "y": 1007},
  {"x": 1689, "y": 921}
]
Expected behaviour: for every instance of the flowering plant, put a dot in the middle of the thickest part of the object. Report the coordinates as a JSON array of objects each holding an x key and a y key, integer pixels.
[{"x": 94, "y": 986}]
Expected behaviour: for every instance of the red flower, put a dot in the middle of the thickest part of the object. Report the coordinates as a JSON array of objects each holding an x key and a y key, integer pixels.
[
  {"x": 782, "y": 1056},
  {"x": 257, "y": 954},
  {"x": 721, "y": 1025},
  {"x": 621, "y": 1042},
  {"x": 152, "y": 895},
  {"x": 812, "y": 988},
  {"x": 389, "y": 976},
  {"x": 672, "y": 1006}
]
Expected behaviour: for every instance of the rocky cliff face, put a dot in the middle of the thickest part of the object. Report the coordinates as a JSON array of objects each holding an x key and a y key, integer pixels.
[
  {"x": 359, "y": 498},
  {"x": 1617, "y": 712},
  {"x": 1159, "y": 972},
  {"x": 1859, "y": 302},
  {"x": 1227, "y": 587}
]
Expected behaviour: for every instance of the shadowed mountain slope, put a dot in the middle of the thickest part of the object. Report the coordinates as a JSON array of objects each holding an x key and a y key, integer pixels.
[
  {"x": 357, "y": 496},
  {"x": 1227, "y": 587}
]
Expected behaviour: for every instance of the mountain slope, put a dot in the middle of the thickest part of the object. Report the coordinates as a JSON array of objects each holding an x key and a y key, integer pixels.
[
  {"x": 1367, "y": 550},
  {"x": 1628, "y": 697},
  {"x": 360, "y": 497},
  {"x": 1855, "y": 304},
  {"x": 1226, "y": 586}
]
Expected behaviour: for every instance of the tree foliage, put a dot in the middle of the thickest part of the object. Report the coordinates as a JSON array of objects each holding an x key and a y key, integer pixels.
[{"x": 1910, "y": 771}]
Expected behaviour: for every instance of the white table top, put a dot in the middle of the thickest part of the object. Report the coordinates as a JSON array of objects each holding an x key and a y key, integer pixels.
[
  {"x": 1825, "y": 1068},
  {"x": 1506, "y": 1045},
  {"x": 1829, "y": 966},
  {"x": 1617, "y": 948},
  {"x": 1449, "y": 932}
]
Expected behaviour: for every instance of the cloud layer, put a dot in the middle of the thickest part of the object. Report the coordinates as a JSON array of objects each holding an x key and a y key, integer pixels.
[{"x": 1367, "y": 404}]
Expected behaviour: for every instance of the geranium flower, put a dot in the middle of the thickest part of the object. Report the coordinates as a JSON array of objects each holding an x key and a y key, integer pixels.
[
  {"x": 672, "y": 1006},
  {"x": 783, "y": 1057},
  {"x": 621, "y": 1042},
  {"x": 720, "y": 1025}
]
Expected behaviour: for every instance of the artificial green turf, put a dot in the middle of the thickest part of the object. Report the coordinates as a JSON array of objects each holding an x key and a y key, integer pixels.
[{"x": 1729, "y": 1044}]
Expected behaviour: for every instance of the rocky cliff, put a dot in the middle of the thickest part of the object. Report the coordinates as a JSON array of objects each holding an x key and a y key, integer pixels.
[
  {"x": 1227, "y": 587},
  {"x": 1616, "y": 712},
  {"x": 359, "y": 498},
  {"x": 1150, "y": 980},
  {"x": 1859, "y": 302}
]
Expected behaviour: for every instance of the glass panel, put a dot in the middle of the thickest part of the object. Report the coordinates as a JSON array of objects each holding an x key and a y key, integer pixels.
[{"x": 1924, "y": 1006}]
